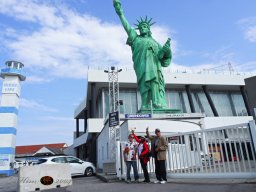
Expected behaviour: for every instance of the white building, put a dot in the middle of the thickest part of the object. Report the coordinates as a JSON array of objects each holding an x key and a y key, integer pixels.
[{"x": 220, "y": 97}]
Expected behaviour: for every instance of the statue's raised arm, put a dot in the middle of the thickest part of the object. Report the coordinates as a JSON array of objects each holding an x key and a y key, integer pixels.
[{"x": 119, "y": 11}]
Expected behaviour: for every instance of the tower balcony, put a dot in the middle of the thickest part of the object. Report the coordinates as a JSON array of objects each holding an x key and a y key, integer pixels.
[{"x": 13, "y": 68}]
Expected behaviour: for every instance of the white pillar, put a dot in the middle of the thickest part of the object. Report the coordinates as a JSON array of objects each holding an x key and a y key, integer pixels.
[{"x": 12, "y": 76}]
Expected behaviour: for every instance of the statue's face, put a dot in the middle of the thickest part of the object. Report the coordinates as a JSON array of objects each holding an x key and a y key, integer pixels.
[{"x": 144, "y": 29}]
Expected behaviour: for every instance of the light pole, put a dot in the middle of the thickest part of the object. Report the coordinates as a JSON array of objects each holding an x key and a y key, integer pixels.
[{"x": 113, "y": 108}]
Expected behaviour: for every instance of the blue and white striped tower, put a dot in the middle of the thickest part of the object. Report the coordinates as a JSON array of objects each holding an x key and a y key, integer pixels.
[{"x": 12, "y": 75}]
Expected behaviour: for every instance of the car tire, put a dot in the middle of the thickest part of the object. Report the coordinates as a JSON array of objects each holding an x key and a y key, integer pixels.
[{"x": 88, "y": 172}]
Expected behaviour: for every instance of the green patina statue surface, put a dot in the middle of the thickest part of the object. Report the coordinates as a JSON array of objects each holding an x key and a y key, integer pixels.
[{"x": 148, "y": 58}]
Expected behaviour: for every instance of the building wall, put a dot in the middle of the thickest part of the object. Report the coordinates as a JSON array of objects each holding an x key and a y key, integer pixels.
[
  {"x": 95, "y": 125},
  {"x": 103, "y": 147},
  {"x": 224, "y": 90},
  {"x": 69, "y": 151},
  {"x": 251, "y": 92},
  {"x": 219, "y": 85}
]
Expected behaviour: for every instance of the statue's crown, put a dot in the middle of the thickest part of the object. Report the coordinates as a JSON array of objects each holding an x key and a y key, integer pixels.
[{"x": 145, "y": 21}]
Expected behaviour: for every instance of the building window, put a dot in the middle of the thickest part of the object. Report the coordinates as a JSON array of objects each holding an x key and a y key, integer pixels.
[
  {"x": 228, "y": 103},
  {"x": 178, "y": 99},
  {"x": 129, "y": 101},
  {"x": 99, "y": 106},
  {"x": 222, "y": 103},
  {"x": 239, "y": 105},
  {"x": 201, "y": 103},
  {"x": 106, "y": 102}
]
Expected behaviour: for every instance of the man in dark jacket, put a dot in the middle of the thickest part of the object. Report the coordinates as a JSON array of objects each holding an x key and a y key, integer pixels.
[{"x": 158, "y": 150}]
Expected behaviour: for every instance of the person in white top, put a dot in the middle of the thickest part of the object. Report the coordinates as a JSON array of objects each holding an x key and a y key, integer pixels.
[{"x": 130, "y": 151}]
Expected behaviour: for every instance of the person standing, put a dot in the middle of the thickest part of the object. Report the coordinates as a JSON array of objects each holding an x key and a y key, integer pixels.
[
  {"x": 142, "y": 152},
  {"x": 130, "y": 151},
  {"x": 158, "y": 150}
]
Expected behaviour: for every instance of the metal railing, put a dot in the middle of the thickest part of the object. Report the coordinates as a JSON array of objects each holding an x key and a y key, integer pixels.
[
  {"x": 225, "y": 152},
  {"x": 185, "y": 70}
]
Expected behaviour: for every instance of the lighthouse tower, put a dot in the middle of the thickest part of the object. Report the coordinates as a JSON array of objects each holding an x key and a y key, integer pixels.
[{"x": 12, "y": 75}]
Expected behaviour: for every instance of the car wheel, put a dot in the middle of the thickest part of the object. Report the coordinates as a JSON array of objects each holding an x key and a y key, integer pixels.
[{"x": 88, "y": 172}]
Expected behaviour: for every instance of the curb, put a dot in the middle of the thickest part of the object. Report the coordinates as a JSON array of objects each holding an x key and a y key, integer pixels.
[
  {"x": 213, "y": 181},
  {"x": 107, "y": 178},
  {"x": 188, "y": 181},
  {"x": 102, "y": 178}
]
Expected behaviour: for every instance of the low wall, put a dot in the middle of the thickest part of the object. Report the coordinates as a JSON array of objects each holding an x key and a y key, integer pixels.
[{"x": 41, "y": 177}]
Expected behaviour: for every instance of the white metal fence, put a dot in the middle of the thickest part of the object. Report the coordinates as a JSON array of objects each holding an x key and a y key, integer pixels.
[{"x": 225, "y": 152}]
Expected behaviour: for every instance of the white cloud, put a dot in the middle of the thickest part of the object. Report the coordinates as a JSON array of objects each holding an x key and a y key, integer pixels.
[
  {"x": 250, "y": 34},
  {"x": 36, "y": 106},
  {"x": 249, "y": 28},
  {"x": 247, "y": 21},
  {"x": 64, "y": 42},
  {"x": 161, "y": 33},
  {"x": 59, "y": 119},
  {"x": 32, "y": 11},
  {"x": 36, "y": 79},
  {"x": 245, "y": 67}
]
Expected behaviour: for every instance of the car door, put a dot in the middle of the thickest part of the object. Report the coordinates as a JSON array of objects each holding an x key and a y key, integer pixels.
[{"x": 76, "y": 166}]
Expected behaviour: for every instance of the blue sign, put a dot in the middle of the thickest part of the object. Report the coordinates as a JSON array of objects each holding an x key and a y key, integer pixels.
[{"x": 138, "y": 116}]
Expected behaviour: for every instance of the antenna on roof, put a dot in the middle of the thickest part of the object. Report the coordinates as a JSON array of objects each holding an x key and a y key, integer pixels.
[{"x": 230, "y": 67}]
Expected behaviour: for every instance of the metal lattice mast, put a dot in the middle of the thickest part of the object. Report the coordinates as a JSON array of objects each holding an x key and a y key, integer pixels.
[
  {"x": 113, "y": 90},
  {"x": 114, "y": 103}
]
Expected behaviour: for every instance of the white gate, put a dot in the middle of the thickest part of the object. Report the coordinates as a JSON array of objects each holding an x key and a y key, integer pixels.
[{"x": 225, "y": 152}]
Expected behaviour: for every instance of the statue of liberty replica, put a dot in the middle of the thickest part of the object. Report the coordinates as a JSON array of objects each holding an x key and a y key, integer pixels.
[{"x": 148, "y": 58}]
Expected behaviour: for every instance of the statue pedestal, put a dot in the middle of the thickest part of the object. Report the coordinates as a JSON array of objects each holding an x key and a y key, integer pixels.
[{"x": 159, "y": 111}]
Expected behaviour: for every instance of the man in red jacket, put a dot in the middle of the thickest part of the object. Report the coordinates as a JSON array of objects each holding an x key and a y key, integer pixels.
[{"x": 142, "y": 152}]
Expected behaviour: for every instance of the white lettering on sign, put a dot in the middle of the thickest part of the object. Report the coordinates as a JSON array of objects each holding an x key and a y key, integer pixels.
[
  {"x": 4, "y": 160},
  {"x": 138, "y": 116}
]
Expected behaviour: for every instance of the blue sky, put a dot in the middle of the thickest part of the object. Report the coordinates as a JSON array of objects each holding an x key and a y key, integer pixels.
[{"x": 58, "y": 39}]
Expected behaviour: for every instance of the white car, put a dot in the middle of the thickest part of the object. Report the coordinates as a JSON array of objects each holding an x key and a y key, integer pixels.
[{"x": 78, "y": 166}]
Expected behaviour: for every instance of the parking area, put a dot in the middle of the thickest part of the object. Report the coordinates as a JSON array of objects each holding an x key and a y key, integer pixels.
[{"x": 8, "y": 184}]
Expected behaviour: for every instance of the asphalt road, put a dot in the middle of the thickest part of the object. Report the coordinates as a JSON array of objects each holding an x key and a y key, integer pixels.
[{"x": 94, "y": 184}]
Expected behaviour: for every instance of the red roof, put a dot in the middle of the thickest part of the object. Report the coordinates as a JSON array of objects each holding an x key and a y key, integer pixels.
[{"x": 31, "y": 149}]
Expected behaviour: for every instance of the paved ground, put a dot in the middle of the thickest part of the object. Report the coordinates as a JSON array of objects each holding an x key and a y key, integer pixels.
[
  {"x": 94, "y": 184},
  {"x": 8, "y": 184}
]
